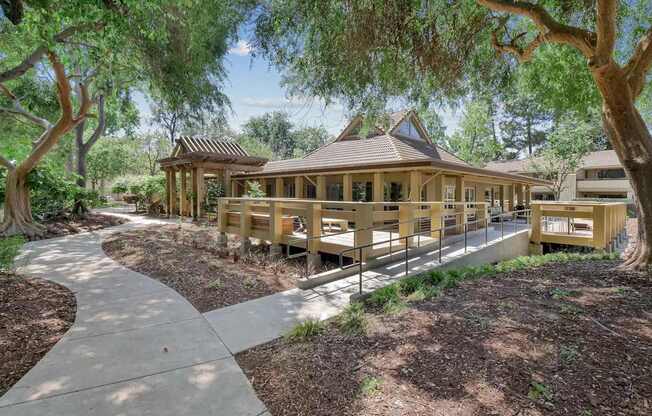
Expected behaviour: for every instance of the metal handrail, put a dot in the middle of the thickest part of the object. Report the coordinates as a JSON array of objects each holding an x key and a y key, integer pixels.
[{"x": 440, "y": 231}]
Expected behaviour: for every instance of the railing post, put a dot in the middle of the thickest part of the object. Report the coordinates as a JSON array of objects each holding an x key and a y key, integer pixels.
[
  {"x": 275, "y": 226},
  {"x": 245, "y": 227},
  {"x": 599, "y": 229},
  {"x": 406, "y": 256},
  {"x": 222, "y": 221},
  {"x": 360, "y": 269},
  {"x": 406, "y": 215},
  {"x": 363, "y": 235},
  {"x": 441, "y": 237},
  {"x": 535, "y": 232},
  {"x": 502, "y": 227},
  {"x": 486, "y": 232},
  {"x": 313, "y": 232},
  {"x": 466, "y": 227}
]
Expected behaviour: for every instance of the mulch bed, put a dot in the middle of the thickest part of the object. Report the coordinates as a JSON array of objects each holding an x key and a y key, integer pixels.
[
  {"x": 564, "y": 339},
  {"x": 34, "y": 315},
  {"x": 72, "y": 224},
  {"x": 188, "y": 260}
]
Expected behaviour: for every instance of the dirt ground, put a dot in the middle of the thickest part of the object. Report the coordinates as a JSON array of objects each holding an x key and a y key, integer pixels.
[
  {"x": 188, "y": 260},
  {"x": 72, "y": 224},
  {"x": 34, "y": 315},
  {"x": 564, "y": 339}
]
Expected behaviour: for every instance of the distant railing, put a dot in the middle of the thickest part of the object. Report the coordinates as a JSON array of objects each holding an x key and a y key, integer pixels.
[{"x": 590, "y": 224}]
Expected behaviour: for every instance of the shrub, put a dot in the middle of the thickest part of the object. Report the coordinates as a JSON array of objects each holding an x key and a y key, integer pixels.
[
  {"x": 121, "y": 187},
  {"x": 352, "y": 320},
  {"x": 9, "y": 248},
  {"x": 255, "y": 190},
  {"x": 384, "y": 295},
  {"x": 305, "y": 330}
]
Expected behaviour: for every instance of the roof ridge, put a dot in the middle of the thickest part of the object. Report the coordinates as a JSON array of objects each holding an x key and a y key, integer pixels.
[{"x": 393, "y": 143}]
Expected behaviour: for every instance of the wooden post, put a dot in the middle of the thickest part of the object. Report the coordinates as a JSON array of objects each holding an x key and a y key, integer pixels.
[
  {"x": 528, "y": 196},
  {"x": 222, "y": 221},
  {"x": 321, "y": 188},
  {"x": 347, "y": 186},
  {"x": 201, "y": 191},
  {"x": 435, "y": 219},
  {"x": 415, "y": 186},
  {"x": 275, "y": 226},
  {"x": 406, "y": 216},
  {"x": 298, "y": 187},
  {"x": 599, "y": 227},
  {"x": 245, "y": 227},
  {"x": 378, "y": 187},
  {"x": 227, "y": 183},
  {"x": 173, "y": 191},
  {"x": 364, "y": 217},
  {"x": 501, "y": 196},
  {"x": 535, "y": 232},
  {"x": 519, "y": 194},
  {"x": 183, "y": 195},
  {"x": 460, "y": 203},
  {"x": 511, "y": 196},
  {"x": 313, "y": 229},
  {"x": 168, "y": 193},
  {"x": 279, "y": 191}
]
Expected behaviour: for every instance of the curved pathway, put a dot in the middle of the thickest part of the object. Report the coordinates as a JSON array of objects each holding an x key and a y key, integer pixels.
[{"x": 136, "y": 348}]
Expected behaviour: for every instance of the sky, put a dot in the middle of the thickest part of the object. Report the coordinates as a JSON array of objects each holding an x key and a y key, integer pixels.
[{"x": 254, "y": 88}]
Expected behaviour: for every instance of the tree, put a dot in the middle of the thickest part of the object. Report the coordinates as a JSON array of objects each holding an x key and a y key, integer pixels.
[
  {"x": 523, "y": 124},
  {"x": 434, "y": 125},
  {"x": 308, "y": 139},
  {"x": 441, "y": 49},
  {"x": 153, "y": 148},
  {"x": 152, "y": 35},
  {"x": 274, "y": 130},
  {"x": 567, "y": 145},
  {"x": 474, "y": 142},
  {"x": 111, "y": 158}
]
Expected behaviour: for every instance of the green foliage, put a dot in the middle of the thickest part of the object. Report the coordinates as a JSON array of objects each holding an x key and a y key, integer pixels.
[
  {"x": 146, "y": 189},
  {"x": 384, "y": 295},
  {"x": 214, "y": 191},
  {"x": 272, "y": 135},
  {"x": 475, "y": 141},
  {"x": 121, "y": 187},
  {"x": 305, "y": 330},
  {"x": 9, "y": 248},
  {"x": 370, "y": 386},
  {"x": 539, "y": 391},
  {"x": 255, "y": 190},
  {"x": 352, "y": 320},
  {"x": 568, "y": 353}
]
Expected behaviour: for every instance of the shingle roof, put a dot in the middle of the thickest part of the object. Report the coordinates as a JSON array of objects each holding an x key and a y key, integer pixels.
[
  {"x": 599, "y": 159},
  {"x": 209, "y": 145}
]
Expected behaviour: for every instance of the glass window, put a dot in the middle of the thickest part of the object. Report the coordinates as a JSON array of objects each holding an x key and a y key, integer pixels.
[
  {"x": 449, "y": 196},
  {"x": 469, "y": 196}
]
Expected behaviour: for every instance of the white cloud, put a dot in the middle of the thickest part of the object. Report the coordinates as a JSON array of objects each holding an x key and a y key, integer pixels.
[{"x": 242, "y": 48}]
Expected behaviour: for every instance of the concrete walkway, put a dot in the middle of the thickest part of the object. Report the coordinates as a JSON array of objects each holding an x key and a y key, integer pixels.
[
  {"x": 257, "y": 321},
  {"x": 136, "y": 347},
  {"x": 139, "y": 348}
]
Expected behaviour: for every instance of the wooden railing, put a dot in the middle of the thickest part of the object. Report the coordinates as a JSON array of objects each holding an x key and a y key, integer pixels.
[
  {"x": 273, "y": 219},
  {"x": 588, "y": 224}
]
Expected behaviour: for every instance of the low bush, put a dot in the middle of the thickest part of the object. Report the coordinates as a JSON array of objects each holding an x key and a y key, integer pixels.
[
  {"x": 352, "y": 320},
  {"x": 428, "y": 285},
  {"x": 9, "y": 248},
  {"x": 305, "y": 330}
]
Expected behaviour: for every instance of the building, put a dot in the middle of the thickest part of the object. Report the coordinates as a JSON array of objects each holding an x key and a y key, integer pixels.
[
  {"x": 600, "y": 176},
  {"x": 386, "y": 164}
]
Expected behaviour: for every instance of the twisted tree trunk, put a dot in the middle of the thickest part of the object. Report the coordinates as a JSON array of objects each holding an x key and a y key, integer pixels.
[
  {"x": 632, "y": 142},
  {"x": 18, "y": 208}
]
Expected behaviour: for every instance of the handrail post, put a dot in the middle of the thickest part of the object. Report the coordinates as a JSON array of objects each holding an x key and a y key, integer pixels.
[
  {"x": 486, "y": 232},
  {"x": 360, "y": 269},
  {"x": 441, "y": 237},
  {"x": 406, "y": 256},
  {"x": 502, "y": 227},
  {"x": 466, "y": 227}
]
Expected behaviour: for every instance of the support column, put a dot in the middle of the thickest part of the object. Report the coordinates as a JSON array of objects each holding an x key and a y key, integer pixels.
[
  {"x": 227, "y": 183},
  {"x": 535, "y": 232},
  {"x": 193, "y": 193},
  {"x": 405, "y": 187},
  {"x": 379, "y": 187},
  {"x": 511, "y": 196},
  {"x": 279, "y": 191},
  {"x": 528, "y": 196},
  {"x": 168, "y": 193},
  {"x": 183, "y": 200},
  {"x": 460, "y": 206},
  {"x": 201, "y": 192},
  {"x": 406, "y": 216},
  {"x": 275, "y": 227},
  {"x": 222, "y": 222},
  {"x": 245, "y": 227},
  {"x": 501, "y": 196},
  {"x": 415, "y": 186},
  {"x": 313, "y": 229},
  {"x": 321, "y": 188},
  {"x": 347, "y": 185},
  {"x": 519, "y": 194},
  {"x": 173, "y": 192},
  {"x": 298, "y": 187},
  {"x": 364, "y": 216}
]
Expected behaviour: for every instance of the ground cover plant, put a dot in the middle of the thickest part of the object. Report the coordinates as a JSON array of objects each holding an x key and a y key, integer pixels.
[
  {"x": 559, "y": 334},
  {"x": 186, "y": 258},
  {"x": 34, "y": 315}
]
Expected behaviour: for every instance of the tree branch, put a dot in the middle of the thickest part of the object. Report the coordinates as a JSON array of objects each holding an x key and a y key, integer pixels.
[
  {"x": 65, "y": 122},
  {"x": 522, "y": 54},
  {"x": 101, "y": 124},
  {"x": 7, "y": 163},
  {"x": 639, "y": 64},
  {"x": 38, "y": 53},
  {"x": 551, "y": 29},
  {"x": 606, "y": 29},
  {"x": 20, "y": 111}
]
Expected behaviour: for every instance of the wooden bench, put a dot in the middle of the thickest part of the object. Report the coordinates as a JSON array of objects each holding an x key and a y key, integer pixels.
[{"x": 342, "y": 224}]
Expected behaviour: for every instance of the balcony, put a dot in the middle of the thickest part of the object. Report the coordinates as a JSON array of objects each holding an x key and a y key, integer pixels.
[{"x": 603, "y": 185}]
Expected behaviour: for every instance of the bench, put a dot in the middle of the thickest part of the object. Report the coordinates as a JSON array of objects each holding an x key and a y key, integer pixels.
[{"x": 342, "y": 224}]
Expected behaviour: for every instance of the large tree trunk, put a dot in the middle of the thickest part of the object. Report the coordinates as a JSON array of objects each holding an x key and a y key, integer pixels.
[
  {"x": 632, "y": 142},
  {"x": 18, "y": 209}
]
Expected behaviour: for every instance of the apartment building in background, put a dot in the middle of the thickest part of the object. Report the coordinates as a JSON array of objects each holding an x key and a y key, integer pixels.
[{"x": 600, "y": 176}]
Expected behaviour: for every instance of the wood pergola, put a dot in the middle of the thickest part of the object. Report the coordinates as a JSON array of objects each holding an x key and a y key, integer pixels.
[{"x": 194, "y": 158}]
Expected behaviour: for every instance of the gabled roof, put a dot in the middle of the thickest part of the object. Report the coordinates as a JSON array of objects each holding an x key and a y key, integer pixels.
[
  {"x": 599, "y": 159},
  {"x": 395, "y": 119},
  {"x": 205, "y": 149}
]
